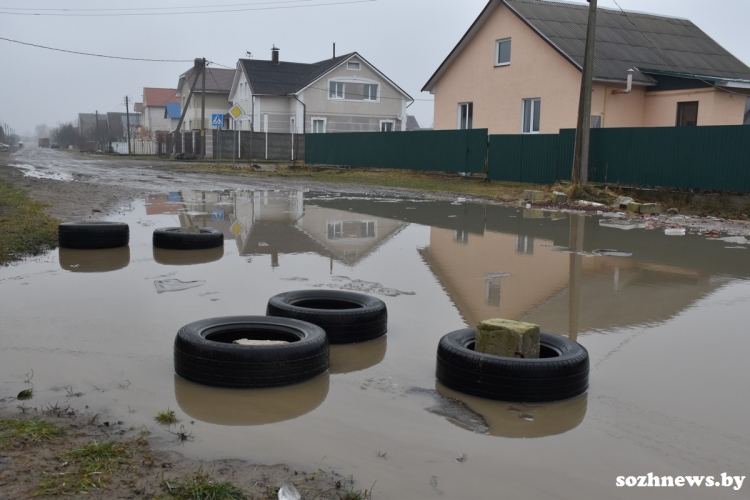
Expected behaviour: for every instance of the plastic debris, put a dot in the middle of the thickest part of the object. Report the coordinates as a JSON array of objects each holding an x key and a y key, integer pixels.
[
  {"x": 675, "y": 231},
  {"x": 611, "y": 253},
  {"x": 737, "y": 240},
  {"x": 176, "y": 285},
  {"x": 528, "y": 205},
  {"x": 461, "y": 459},
  {"x": 289, "y": 492},
  {"x": 259, "y": 342}
]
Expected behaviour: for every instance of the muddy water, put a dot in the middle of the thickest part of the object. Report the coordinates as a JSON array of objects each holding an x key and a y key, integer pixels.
[{"x": 664, "y": 319}]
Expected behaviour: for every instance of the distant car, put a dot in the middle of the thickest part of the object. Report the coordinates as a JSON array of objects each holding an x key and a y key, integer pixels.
[
  {"x": 4, "y": 147},
  {"x": 20, "y": 144},
  {"x": 54, "y": 145}
]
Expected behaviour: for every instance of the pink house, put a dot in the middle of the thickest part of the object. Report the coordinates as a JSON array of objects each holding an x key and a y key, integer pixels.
[{"x": 518, "y": 70}]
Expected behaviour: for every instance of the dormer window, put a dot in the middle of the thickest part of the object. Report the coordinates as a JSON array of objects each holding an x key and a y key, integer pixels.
[{"x": 351, "y": 65}]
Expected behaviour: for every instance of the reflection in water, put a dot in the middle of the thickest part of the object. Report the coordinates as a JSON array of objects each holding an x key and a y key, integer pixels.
[
  {"x": 95, "y": 260},
  {"x": 519, "y": 420},
  {"x": 245, "y": 407},
  {"x": 347, "y": 358},
  {"x": 187, "y": 257}
]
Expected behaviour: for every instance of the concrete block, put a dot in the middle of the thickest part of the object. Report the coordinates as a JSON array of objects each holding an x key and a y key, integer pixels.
[
  {"x": 622, "y": 202},
  {"x": 532, "y": 195},
  {"x": 650, "y": 208},
  {"x": 511, "y": 339},
  {"x": 558, "y": 197},
  {"x": 634, "y": 207},
  {"x": 531, "y": 213}
]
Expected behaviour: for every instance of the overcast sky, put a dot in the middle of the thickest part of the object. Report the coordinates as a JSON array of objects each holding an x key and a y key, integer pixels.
[{"x": 405, "y": 39}]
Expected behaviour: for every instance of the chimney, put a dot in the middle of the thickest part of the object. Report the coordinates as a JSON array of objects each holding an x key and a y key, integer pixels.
[
  {"x": 334, "y": 50},
  {"x": 275, "y": 56}
]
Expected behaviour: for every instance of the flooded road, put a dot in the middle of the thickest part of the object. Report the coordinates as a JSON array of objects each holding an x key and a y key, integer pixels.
[{"x": 664, "y": 319}]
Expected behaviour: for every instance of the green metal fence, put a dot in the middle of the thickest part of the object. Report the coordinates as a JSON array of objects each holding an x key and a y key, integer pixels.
[
  {"x": 532, "y": 158},
  {"x": 439, "y": 150},
  {"x": 716, "y": 158}
]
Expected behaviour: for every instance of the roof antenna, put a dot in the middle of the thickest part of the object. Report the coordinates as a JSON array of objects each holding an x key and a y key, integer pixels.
[
  {"x": 334, "y": 50},
  {"x": 248, "y": 53}
]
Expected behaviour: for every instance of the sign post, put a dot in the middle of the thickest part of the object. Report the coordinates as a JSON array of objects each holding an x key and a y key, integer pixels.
[
  {"x": 236, "y": 112},
  {"x": 217, "y": 120}
]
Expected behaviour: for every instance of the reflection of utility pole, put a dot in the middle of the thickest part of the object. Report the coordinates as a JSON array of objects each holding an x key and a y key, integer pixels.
[
  {"x": 577, "y": 224},
  {"x": 127, "y": 115},
  {"x": 97, "y": 131},
  {"x": 203, "y": 112},
  {"x": 581, "y": 156}
]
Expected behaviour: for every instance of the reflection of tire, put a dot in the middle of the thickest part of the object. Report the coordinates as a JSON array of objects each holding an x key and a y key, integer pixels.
[
  {"x": 181, "y": 258},
  {"x": 347, "y": 317},
  {"x": 204, "y": 352},
  {"x": 174, "y": 238},
  {"x": 218, "y": 405},
  {"x": 93, "y": 234},
  {"x": 347, "y": 358},
  {"x": 94, "y": 261},
  {"x": 561, "y": 372},
  {"x": 521, "y": 420}
]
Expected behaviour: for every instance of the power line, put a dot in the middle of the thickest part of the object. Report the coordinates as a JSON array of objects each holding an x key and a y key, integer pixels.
[
  {"x": 152, "y": 8},
  {"x": 95, "y": 55},
  {"x": 186, "y": 13}
]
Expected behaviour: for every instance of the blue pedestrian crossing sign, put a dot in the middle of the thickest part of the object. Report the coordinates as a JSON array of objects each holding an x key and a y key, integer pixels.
[
  {"x": 217, "y": 120},
  {"x": 217, "y": 214}
]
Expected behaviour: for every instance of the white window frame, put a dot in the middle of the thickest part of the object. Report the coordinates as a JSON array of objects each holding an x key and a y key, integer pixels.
[
  {"x": 535, "y": 101},
  {"x": 458, "y": 121},
  {"x": 318, "y": 118},
  {"x": 393, "y": 125},
  {"x": 497, "y": 52},
  {"x": 357, "y": 65},
  {"x": 342, "y": 93},
  {"x": 367, "y": 96}
]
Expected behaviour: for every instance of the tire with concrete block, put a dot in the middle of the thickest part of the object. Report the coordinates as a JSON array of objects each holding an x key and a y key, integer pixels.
[
  {"x": 346, "y": 317},
  {"x": 561, "y": 372},
  {"x": 205, "y": 352},
  {"x": 93, "y": 234},
  {"x": 178, "y": 238}
]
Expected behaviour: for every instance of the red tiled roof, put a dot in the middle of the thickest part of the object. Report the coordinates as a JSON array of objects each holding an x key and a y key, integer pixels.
[{"x": 158, "y": 97}]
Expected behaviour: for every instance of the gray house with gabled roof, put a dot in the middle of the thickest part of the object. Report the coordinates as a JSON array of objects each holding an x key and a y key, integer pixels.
[
  {"x": 518, "y": 70},
  {"x": 341, "y": 94}
]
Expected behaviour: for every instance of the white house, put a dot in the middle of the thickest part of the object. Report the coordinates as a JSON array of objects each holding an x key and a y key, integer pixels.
[{"x": 218, "y": 84}]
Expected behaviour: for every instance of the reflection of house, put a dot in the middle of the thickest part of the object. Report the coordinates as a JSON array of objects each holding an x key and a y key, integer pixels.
[
  {"x": 196, "y": 208},
  {"x": 279, "y": 222}
]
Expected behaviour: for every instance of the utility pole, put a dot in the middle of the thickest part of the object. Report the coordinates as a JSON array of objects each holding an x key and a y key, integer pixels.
[
  {"x": 197, "y": 69},
  {"x": 96, "y": 144},
  {"x": 203, "y": 113},
  {"x": 127, "y": 117},
  {"x": 580, "y": 172}
]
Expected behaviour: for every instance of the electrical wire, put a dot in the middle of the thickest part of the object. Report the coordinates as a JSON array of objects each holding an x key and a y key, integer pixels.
[
  {"x": 152, "y": 8},
  {"x": 188, "y": 13},
  {"x": 95, "y": 55}
]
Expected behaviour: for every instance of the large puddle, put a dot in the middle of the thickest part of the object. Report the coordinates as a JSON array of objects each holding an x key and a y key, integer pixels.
[{"x": 664, "y": 319}]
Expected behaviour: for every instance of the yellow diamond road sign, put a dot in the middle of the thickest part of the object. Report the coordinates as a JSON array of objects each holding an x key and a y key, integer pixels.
[
  {"x": 236, "y": 228},
  {"x": 236, "y": 111}
]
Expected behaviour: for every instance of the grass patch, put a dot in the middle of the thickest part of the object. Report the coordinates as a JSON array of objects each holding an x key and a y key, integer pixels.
[
  {"x": 200, "y": 486},
  {"x": 28, "y": 430},
  {"x": 24, "y": 227},
  {"x": 166, "y": 417},
  {"x": 88, "y": 468}
]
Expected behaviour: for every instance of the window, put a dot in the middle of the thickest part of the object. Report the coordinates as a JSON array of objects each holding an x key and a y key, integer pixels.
[
  {"x": 502, "y": 52},
  {"x": 352, "y": 66},
  {"x": 318, "y": 125},
  {"x": 525, "y": 244},
  {"x": 242, "y": 91},
  {"x": 357, "y": 229},
  {"x": 465, "y": 115},
  {"x": 687, "y": 114},
  {"x": 371, "y": 91},
  {"x": 460, "y": 236},
  {"x": 596, "y": 121},
  {"x": 336, "y": 90},
  {"x": 386, "y": 125},
  {"x": 531, "y": 116}
]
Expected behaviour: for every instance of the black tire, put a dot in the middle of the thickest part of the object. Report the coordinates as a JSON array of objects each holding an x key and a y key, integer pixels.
[
  {"x": 171, "y": 257},
  {"x": 173, "y": 238},
  {"x": 93, "y": 234},
  {"x": 346, "y": 317},
  {"x": 94, "y": 261},
  {"x": 218, "y": 405},
  {"x": 561, "y": 372},
  {"x": 204, "y": 353}
]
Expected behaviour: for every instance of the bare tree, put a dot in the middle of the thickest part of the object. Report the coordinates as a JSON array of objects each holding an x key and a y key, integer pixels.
[{"x": 65, "y": 134}]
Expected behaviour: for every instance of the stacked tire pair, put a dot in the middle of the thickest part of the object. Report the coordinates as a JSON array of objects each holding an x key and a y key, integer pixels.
[
  {"x": 561, "y": 372},
  {"x": 93, "y": 234}
]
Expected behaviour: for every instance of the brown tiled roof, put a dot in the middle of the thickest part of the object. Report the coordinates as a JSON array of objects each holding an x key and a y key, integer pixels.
[
  {"x": 138, "y": 107},
  {"x": 158, "y": 97}
]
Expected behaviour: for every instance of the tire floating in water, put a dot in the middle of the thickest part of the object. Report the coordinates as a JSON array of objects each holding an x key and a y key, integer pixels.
[
  {"x": 346, "y": 317},
  {"x": 561, "y": 372},
  {"x": 204, "y": 352},
  {"x": 93, "y": 234},
  {"x": 178, "y": 238}
]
